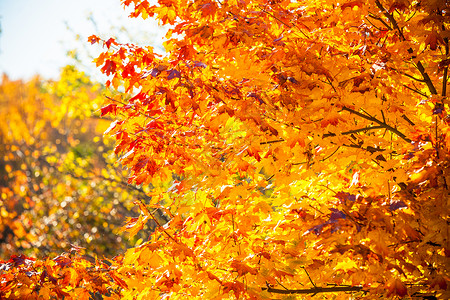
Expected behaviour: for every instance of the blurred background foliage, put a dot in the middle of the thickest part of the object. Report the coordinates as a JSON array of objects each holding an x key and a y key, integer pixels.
[{"x": 60, "y": 183}]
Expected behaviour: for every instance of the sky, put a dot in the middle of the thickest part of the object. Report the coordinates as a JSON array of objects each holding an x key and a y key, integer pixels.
[{"x": 36, "y": 35}]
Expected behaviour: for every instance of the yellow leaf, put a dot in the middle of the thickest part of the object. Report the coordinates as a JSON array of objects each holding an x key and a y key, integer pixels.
[{"x": 346, "y": 265}]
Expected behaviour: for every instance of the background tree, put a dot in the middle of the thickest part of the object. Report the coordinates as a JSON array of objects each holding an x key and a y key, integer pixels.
[{"x": 60, "y": 184}]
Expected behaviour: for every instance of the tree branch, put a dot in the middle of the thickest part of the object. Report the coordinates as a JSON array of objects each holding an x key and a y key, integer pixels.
[
  {"x": 373, "y": 16},
  {"x": 271, "y": 142},
  {"x": 390, "y": 18},
  {"x": 354, "y": 131},
  {"x": 425, "y": 76},
  {"x": 316, "y": 290},
  {"x": 419, "y": 65},
  {"x": 408, "y": 120},
  {"x": 412, "y": 77},
  {"x": 373, "y": 25},
  {"x": 445, "y": 76}
]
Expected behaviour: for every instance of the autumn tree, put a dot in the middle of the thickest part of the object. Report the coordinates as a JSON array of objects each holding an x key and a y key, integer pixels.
[
  {"x": 60, "y": 183},
  {"x": 298, "y": 147}
]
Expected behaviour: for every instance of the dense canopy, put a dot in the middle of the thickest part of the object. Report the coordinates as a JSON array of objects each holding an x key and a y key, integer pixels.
[{"x": 298, "y": 147}]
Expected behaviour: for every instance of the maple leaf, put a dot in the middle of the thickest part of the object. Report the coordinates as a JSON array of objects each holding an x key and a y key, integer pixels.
[
  {"x": 110, "y": 108},
  {"x": 110, "y": 42},
  {"x": 400, "y": 5},
  {"x": 242, "y": 268},
  {"x": 397, "y": 287},
  {"x": 109, "y": 67},
  {"x": 93, "y": 39},
  {"x": 18, "y": 260},
  {"x": 327, "y": 112},
  {"x": 433, "y": 39},
  {"x": 135, "y": 224},
  {"x": 63, "y": 260},
  {"x": 118, "y": 280}
]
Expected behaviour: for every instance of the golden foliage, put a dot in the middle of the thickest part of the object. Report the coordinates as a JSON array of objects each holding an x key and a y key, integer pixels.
[{"x": 299, "y": 147}]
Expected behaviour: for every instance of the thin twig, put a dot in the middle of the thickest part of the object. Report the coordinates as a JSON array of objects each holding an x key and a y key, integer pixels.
[
  {"x": 324, "y": 159},
  {"x": 367, "y": 19},
  {"x": 416, "y": 91},
  {"x": 382, "y": 124},
  {"x": 390, "y": 17},
  {"x": 445, "y": 77},
  {"x": 284, "y": 23},
  {"x": 408, "y": 120},
  {"x": 354, "y": 131},
  {"x": 412, "y": 77},
  {"x": 139, "y": 112},
  {"x": 309, "y": 277},
  {"x": 281, "y": 284},
  {"x": 375, "y": 17},
  {"x": 329, "y": 81}
]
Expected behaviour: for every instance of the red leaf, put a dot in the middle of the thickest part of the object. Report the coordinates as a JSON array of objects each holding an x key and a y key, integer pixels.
[
  {"x": 108, "y": 109},
  {"x": 109, "y": 67},
  {"x": 63, "y": 261},
  {"x": 154, "y": 125},
  {"x": 21, "y": 260},
  {"x": 208, "y": 9},
  {"x": 137, "y": 167},
  {"x": 109, "y": 42},
  {"x": 333, "y": 121},
  {"x": 93, "y": 39}
]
